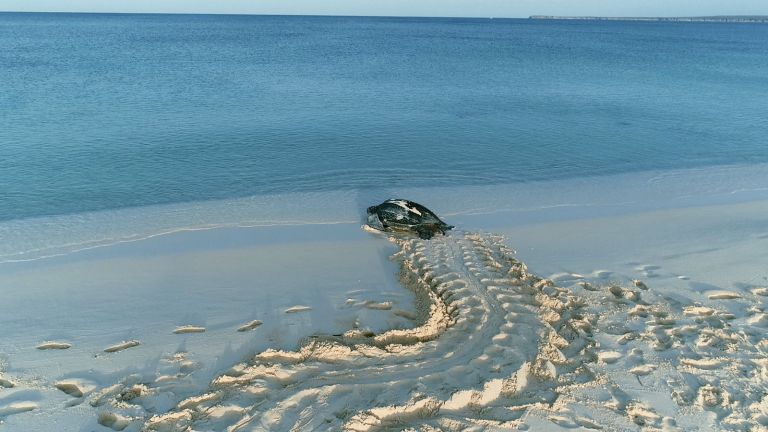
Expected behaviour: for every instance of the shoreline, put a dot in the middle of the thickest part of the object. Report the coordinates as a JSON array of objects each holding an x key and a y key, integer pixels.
[{"x": 585, "y": 197}]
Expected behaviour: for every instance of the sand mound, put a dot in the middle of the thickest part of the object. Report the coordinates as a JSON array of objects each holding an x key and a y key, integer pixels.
[
  {"x": 122, "y": 346},
  {"x": 189, "y": 329}
]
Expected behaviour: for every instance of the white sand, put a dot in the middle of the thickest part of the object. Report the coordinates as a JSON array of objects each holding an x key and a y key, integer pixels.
[
  {"x": 188, "y": 329},
  {"x": 249, "y": 325},
  {"x": 652, "y": 316},
  {"x": 122, "y": 346},
  {"x": 54, "y": 346}
]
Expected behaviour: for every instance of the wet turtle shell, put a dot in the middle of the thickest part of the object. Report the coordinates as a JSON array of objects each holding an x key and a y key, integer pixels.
[{"x": 407, "y": 216}]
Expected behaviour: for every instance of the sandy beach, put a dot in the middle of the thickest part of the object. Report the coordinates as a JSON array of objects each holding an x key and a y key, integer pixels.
[
  {"x": 552, "y": 306},
  {"x": 184, "y": 193}
]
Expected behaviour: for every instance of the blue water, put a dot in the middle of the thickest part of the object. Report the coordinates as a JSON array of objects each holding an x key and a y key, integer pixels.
[{"x": 109, "y": 111}]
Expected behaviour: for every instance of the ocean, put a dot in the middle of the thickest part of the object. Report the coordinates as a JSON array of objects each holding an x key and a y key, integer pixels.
[{"x": 102, "y": 112}]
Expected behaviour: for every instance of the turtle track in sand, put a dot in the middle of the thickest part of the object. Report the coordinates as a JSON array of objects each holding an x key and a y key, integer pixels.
[
  {"x": 494, "y": 346},
  {"x": 488, "y": 346}
]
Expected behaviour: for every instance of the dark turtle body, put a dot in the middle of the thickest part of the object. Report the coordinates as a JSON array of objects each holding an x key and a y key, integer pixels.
[{"x": 406, "y": 216}]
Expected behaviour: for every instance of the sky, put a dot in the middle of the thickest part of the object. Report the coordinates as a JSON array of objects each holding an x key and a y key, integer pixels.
[{"x": 463, "y": 8}]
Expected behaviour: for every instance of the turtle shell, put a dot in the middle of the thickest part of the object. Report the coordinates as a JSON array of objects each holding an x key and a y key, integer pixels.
[{"x": 405, "y": 215}]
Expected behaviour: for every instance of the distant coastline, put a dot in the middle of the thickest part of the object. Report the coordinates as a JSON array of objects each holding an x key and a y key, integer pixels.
[{"x": 719, "y": 18}]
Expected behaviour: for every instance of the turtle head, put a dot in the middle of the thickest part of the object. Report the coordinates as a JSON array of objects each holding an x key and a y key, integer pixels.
[{"x": 372, "y": 209}]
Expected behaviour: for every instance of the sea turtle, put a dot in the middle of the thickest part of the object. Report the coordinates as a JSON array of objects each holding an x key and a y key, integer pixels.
[{"x": 406, "y": 216}]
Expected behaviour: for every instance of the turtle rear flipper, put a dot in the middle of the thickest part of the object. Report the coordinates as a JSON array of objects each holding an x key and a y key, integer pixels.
[{"x": 427, "y": 231}]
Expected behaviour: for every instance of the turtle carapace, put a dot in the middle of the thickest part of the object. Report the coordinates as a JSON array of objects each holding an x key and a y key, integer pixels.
[{"x": 400, "y": 215}]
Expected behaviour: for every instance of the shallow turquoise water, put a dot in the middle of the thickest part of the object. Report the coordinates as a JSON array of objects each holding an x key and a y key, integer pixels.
[{"x": 110, "y": 111}]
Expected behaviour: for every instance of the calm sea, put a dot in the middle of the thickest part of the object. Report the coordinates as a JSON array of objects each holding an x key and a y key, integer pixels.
[{"x": 109, "y": 111}]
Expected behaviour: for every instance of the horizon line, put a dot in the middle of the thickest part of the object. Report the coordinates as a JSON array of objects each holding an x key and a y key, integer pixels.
[
  {"x": 535, "y": 16},
  {"x": 270, "y": 14}
]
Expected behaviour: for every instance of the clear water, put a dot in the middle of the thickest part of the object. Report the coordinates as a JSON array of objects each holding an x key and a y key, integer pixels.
[{"x": 109, "y": 111}]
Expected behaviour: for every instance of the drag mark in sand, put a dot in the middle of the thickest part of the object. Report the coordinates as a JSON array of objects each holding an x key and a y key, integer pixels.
[
  {"x": 297, "y": 309},
  {"x": 122, "y": 346},
  {"x": 494, "y": 347},
  {"x": 249, "y": 326},
  {"x": 5, "y": 383},
  {"x": 70, "y": 388},
  {"x": 54, "y": 346},
  {"x": 189, "y": 329},
  {"x": 17, "y": 408},
  {"x": 723, "y": 295},
  {"x": 491, "y": 339},
  {"x": 113, "y": 421},
  {"x": 378, "y": 305}
]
